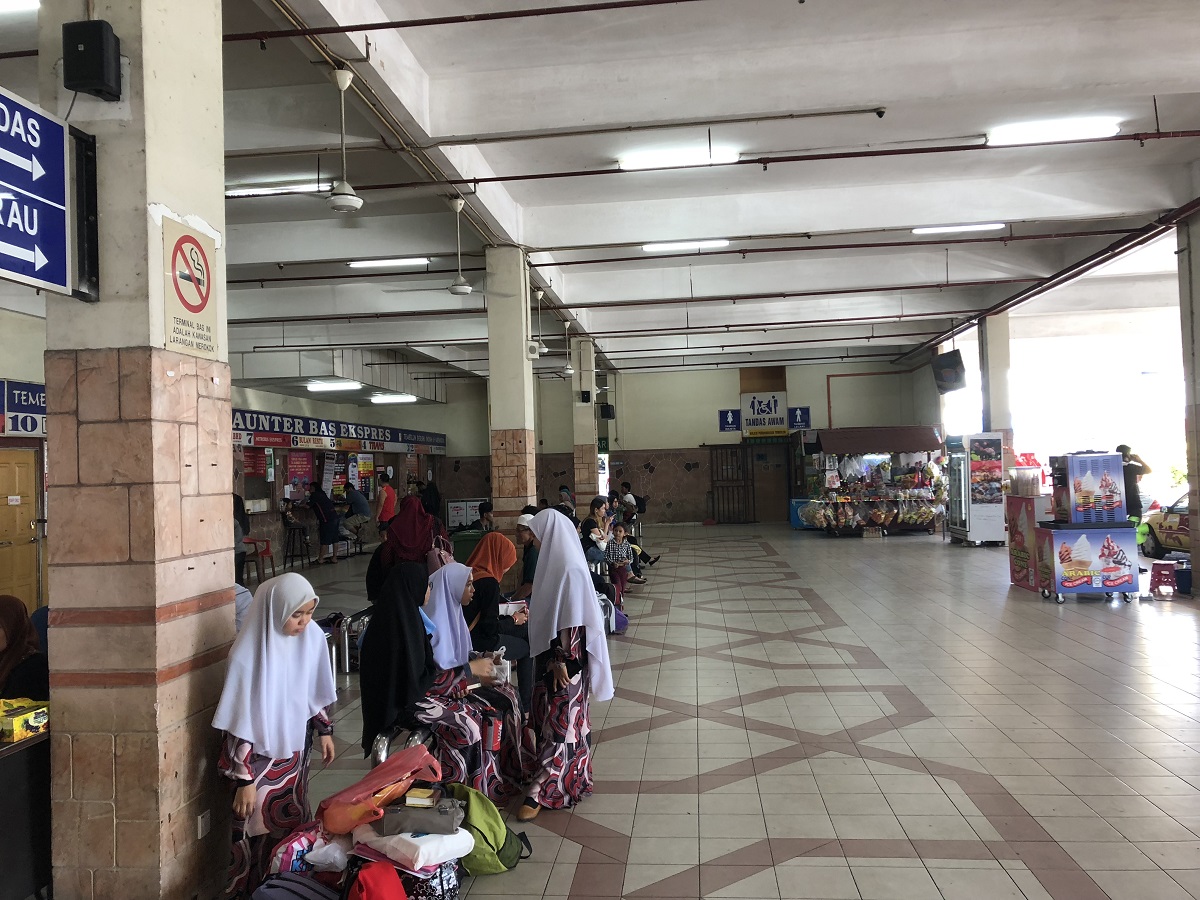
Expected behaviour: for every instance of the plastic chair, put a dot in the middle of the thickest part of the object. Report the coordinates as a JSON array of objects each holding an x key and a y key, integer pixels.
[
  {"x": 261, "y": 551},
  {"x": 1162, "y": 574}
]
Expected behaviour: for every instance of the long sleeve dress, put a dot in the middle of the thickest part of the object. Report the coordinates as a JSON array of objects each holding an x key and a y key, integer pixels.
[
  {"x": 280, "y": 806},
  {"x": 562, "y": 724},
  {"x": 463, "y": 723}
]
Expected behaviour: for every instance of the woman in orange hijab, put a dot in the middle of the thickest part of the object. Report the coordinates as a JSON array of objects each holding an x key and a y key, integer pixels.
[
  {"x": 23, "y": 669},
  {"x": 490, "y": 561}
]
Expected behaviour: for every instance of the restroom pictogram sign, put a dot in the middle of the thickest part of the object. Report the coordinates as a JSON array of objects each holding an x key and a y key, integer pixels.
[{"x": 191, "y": 296}]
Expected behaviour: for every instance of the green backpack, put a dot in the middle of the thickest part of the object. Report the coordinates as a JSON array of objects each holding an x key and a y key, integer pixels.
[{"x": 497, "y": 847}]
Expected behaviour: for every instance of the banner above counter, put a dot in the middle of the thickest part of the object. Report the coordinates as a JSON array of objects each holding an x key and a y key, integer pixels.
[{"x": 263, "y": 429}]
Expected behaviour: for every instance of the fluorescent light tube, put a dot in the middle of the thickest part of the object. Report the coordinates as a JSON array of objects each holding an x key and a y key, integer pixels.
[
  {"x": 16, "y": 6},
  {"x": 335, "y": 384},
  {"x": 685, "y": 156},
  {"x": 386, "y": 263},
  {"x": 953, "y": 229},
  {"x": 394, "y": 398},
  {"x": 1050, "y": 130},
  {"x": 270, "y": 190},
  {"x": 685, "y": 245}
]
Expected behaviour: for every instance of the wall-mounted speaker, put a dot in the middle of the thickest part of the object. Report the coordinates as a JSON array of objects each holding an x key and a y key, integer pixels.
[
  {"x": 585, "y": 396},
  {"x": 608, "y": 411},
  {"x": 92, "y": 59}
]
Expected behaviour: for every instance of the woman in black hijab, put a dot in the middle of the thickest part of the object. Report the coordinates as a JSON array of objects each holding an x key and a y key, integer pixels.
[
  {"x": 327, "y": 522},
  {"x": 402, "y": 685}
]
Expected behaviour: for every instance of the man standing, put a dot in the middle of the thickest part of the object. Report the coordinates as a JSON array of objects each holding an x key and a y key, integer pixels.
[
  {"x": 1133, "y": 467},
  {"x": 387, "y": 501}
]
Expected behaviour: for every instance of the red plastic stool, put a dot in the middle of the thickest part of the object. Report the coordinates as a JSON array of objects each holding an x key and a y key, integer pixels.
[{"x": 1162, "y": 575}]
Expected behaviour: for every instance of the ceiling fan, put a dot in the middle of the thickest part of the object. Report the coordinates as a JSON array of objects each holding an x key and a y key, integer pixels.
[
  {"x": 460, "y": 286},
  {"x": 343, "y": 199}
]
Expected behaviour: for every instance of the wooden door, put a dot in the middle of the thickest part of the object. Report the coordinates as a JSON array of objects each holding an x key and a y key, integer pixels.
[
  {"x": 770, "y": 464},
  {"x": 20, "y": 566}
]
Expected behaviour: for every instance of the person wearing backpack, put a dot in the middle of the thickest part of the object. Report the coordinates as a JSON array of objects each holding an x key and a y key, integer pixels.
[{"x": 566, "y": 632}]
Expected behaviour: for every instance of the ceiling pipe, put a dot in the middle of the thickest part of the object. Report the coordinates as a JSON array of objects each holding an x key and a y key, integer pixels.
[
  {"x": 750, "y": 348},
  {"x": 350, "y": 276},
  {"x": 471, "y": 18},
  {"x": 1132, "y": 241},
  {"x": 18, "y": 54},
  {"x": 767, "y": 160},
  {"x": 359, "y": 317},
  {"x": 789, "y": 295},
  {"x": 515, "y": 136},
  {"x": 811, "y": 248}
]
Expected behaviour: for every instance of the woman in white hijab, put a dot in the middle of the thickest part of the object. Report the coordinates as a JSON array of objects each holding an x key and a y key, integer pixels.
[
  {"x": 566, "y": 633},
  {"x": 277, "y": 687}
]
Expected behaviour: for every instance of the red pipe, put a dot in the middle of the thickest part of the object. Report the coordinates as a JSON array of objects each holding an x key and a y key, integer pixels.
[
  {"x": 1139, "y": 238},
  {"x": 810, "y": 248},
  {"x": 788, "y": 295},
  {"x": 541, "y": 12},
  {"x": 765, "y": 161},
  {"x": 348, "y": 276}
]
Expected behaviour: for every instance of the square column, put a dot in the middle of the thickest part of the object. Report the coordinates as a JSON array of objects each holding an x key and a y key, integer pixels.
[
  {"x": 510, "y": 386},
  {"x": 1188, "y": 235},
  {"x": 140, "y": 465},
  {"x": 993, "y": 368},
  {"x": 583, "y": 419}
]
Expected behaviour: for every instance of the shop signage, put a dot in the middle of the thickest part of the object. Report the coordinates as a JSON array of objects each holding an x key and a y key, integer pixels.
[
  {"x": 254, "y": 463},
  {"x": 799, "y": 418},
  {"x": 729, "y": 419},
  {"x": 23, "y": 408},
  {"x": 461, "y": 512},
  {"x": 262, "y": 429},
  {"x": 299, "y": 472},
  {"x": 34, "y": 237},
  {"x": 764, "y": 414},
  {"x": 601, "y": 447}
]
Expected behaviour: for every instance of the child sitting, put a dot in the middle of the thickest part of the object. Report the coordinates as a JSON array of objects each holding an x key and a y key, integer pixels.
[{"x": 619, "y": 555}]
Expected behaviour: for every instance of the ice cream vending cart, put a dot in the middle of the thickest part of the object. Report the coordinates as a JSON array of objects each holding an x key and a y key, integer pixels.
[
  {"x": 1089, "y": 488},
  {"x": 1099, "y": 558}
]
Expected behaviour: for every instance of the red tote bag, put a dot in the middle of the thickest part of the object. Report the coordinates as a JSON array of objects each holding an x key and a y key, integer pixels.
[{"x": 364, "y": 800}]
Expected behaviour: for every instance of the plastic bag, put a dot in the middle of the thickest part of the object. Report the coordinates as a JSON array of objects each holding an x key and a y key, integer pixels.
[{"x": 364, "y": 800}]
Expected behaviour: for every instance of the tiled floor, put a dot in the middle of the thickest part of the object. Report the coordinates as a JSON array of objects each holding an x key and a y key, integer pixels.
[{"x": 805, "y": 717}]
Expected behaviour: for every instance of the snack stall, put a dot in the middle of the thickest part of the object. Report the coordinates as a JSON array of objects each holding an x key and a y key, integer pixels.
[
  {"x": 875, "y": 481},
  {"x": 1090, "y": 546}
]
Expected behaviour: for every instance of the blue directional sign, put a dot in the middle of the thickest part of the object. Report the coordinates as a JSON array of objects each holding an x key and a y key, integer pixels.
[
  {"x": 34, "y": 233},
  {"x": 730, "y": 419},
  {"x": 799, "y": 418}
]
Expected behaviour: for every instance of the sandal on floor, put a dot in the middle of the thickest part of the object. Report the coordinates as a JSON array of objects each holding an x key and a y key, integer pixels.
[{"x": 528, "y": 811}]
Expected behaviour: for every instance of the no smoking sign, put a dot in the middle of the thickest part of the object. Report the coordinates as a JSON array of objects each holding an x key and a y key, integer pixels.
[
  {"x": 190, "y": 274},
  {"x": 190, "y": 320}
]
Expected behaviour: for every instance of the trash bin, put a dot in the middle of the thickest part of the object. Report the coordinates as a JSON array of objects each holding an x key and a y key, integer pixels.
[
  {"x": 1183, "y": 579},
  {"x": 465, "y": 543}
]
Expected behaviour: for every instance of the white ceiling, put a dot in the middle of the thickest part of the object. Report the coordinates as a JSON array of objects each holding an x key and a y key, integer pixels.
[{"x": 821, "y": 264}]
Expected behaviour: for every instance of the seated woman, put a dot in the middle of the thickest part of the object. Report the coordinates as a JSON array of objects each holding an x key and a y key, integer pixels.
[
  {"x": 403, "y": 682},
  {"x": 408, "y": 539},
  {"x": 490, "y": 561},
  {"x": 23, "y": 669},
  {"x": 566, "y": 632}
]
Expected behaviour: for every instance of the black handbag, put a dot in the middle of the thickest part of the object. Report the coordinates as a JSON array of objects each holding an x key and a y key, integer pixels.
[{"x": 443, "y": 817}]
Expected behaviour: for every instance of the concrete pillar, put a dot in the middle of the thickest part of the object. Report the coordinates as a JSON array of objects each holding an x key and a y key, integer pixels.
[
  {"x": 587, "y": 477},
  {"x": 993, "y": 369},
  {"x": 140, "y": 474},
  {"x": 1188, "y": 233},
  {"x": 510, "y": 386}
]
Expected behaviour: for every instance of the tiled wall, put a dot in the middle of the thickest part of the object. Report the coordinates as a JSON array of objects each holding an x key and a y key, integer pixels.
[
  {"x": 677, "y": 482},
  {"x": 142, "y": 618}
]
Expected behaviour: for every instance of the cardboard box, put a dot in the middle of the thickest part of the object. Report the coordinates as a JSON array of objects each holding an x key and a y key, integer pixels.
[{"x": 20, "y": 719}]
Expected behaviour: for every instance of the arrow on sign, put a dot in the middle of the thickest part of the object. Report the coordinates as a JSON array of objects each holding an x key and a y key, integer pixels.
[
  {"x": 34, "y": 256},
  {"x": 30, "y": 165}
]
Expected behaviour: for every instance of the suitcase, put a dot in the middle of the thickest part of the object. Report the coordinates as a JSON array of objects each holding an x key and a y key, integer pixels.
[{"x": 293, "y": 886}]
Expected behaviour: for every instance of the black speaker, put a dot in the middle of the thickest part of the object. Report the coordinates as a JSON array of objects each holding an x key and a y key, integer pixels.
[
  {"x": 608, "y": 411},
  {"x": 92, "y": 59},
  {"x": 585, "y": 396}
]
